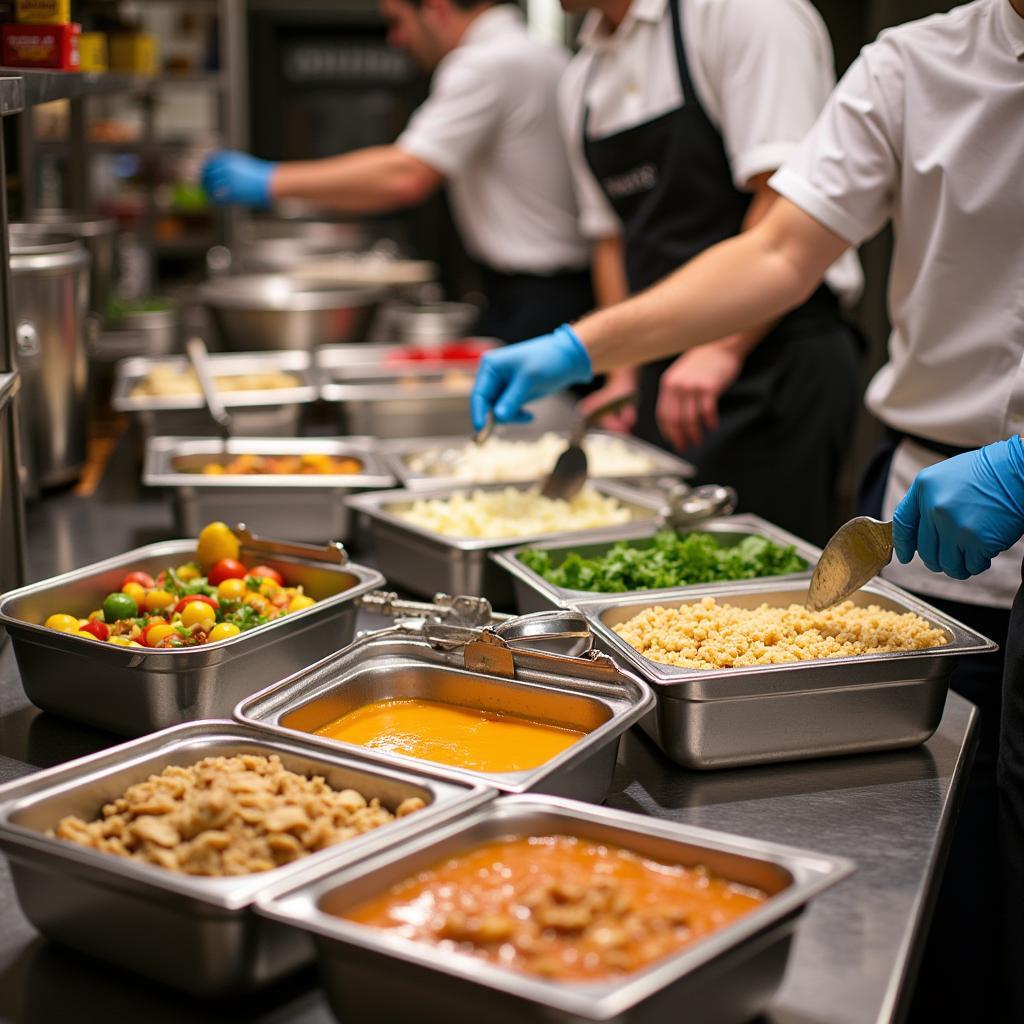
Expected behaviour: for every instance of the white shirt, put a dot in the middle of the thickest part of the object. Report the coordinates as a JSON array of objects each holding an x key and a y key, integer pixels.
[
  {"x": 490, "y": 126},
  {"x": 927, "y": 129},
  {"x": 762, "y": 70}
]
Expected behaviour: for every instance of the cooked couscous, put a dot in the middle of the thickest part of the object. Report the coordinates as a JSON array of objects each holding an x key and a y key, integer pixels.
[{"x": 709, "y": 635}]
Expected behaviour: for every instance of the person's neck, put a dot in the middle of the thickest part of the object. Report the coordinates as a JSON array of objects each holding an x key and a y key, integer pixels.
[
  {"x": 465, "y": 20},
  {"x": 614, "y": 12},
  {"x": 1018, "y": 6}
]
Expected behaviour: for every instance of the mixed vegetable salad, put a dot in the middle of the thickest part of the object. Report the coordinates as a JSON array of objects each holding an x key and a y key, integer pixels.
[
  {"x": 214, "y": 597},
  {"x": 669, "y": 560}
]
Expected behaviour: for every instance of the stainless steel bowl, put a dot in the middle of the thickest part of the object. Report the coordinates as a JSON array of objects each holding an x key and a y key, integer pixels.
[
  {"x": 725, "y": 978},
  {"x": 273, "y": 311},
  {"x": 198, "y": 934}
]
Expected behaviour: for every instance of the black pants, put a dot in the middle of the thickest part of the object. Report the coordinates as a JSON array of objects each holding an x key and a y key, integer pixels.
[
  {"x": 959, "y": 977},
  {"x": 521, "y": 306},
  {"x": 1010, "y": 779}
]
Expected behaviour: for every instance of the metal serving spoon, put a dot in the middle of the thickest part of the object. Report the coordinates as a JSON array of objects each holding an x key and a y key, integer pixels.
[
  {"x": 857, "y": 552},
  {"x": 569, "y": 473},
  {"x": 200, "y": 359}
]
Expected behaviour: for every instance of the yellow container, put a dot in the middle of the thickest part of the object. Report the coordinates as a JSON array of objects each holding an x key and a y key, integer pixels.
[
  {"x": 92, "y": 51},
  {"x": 44, "y": 12},
  {"x": 134, "y": 53}
]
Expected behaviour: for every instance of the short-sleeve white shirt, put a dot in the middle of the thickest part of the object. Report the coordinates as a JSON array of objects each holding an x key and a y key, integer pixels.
[
  {"x": 762, "y": 70},
  {"x": 927, "y": 130},
  {"x": 490, "y": 126}
]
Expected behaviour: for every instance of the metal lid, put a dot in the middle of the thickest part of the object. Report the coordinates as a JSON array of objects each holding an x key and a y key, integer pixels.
[
  {"x": 82, "y": 225},
  {"x": 35, "y": 248}
]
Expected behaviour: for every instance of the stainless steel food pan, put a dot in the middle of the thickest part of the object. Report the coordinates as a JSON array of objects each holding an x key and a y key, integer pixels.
[
  {"x": 133, "y": 691},
  {"x": 399, "y": 454},
  {"x": 195, "y": 933},
  {"x": 275, "y": 413},
  {"x": 424, "y": 561},
  {"x": 592, "y": 694},
  {"x": 725, "y": 978},
  {"x": 534, "y": 593},
  {"x": 767, "y": 713},
  {"x": 414, "y": 399},
  {"x": 295, "y": 507}
]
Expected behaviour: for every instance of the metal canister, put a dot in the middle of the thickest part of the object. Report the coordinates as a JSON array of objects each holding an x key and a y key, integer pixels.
[
  {"x": 50, "y": 295},
  {"x": 97, "y": 234}
]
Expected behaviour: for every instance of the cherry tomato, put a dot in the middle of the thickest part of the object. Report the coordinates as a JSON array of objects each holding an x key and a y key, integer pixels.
[
  {"x": 157, "y": 600},
  {"x": 185, "y": 601},
  {"x": 142, "y": 578},
  {"x": 299, "y": 602},
  {"x": 159, "y": 631},
  {"x": 216, "y": 541},
  {"x": 119, "y": 606},
  {"x": 63, "y": 623},
  {"x": 198, "y": 614},
  {"x": 137, "y": 592},
  {"x": 223, "y": 631},
  {"x": 267, "y": 573},
  {"x": 226, "y": 569},
  {"x": 232, "y": 590},
  {"x": 97, "y": 629},
  {"x": 187, "y": 572}
]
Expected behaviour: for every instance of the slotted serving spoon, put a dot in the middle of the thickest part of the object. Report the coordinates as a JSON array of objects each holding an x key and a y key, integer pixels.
[
  {"x": 857, "y": 552},
  {"x": 569, "y": 473}
]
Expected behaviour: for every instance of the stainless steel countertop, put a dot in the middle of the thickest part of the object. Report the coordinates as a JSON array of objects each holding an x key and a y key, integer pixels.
[{"x": 890, "y": 813}]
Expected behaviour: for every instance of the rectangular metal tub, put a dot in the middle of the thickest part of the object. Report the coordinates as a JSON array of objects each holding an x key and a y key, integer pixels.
[
  {"x": 534, "y": 593},
  {"x": 768, "y": 713},
  {"x": 425, "y": 562},
  {"x": 274, "y": 413},
  {"x": 595, "y": 696},
  {"x": 412, "y": 400},
  {"x": 133, "y": 691},
  {"x": 195, "y": 933},
  {"x": 308, "y": 508},
  {"x": 726, "y": 978},
  {"x": 397, "y": 455}
]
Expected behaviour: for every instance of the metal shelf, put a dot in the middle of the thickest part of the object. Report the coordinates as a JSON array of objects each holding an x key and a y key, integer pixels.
[{"x": 45, "y": 86}]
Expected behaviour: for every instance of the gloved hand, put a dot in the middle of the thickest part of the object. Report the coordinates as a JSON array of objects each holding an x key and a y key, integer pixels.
[
  {"x": 510, "y": 377},
  {"x": 963, "y": 512},
  {"x": 230, "y": 177}
]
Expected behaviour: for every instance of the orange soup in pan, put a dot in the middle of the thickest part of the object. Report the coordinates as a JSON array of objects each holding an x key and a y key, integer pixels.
[
  {"x": 559, "y": 907},
  {"x": 464, "y": 737}
]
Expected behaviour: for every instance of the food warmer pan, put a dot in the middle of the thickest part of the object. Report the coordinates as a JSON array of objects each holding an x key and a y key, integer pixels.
[
  {"x": 424, "y": 561},
  {"x": 726, "y": 978},
  {"x": 412, "y": 399},
  {"x": 398, "y": 454},
  {"x": 192, "y": 932},
  {"x": 533, "y": 592},
  {"x": 296, "y": 507},
  {"x": 762, "y": 714},
  {"x": 269, "y": 413},
  {"x": 131, "y": 691},
  {"x": 473, "y": 668}
]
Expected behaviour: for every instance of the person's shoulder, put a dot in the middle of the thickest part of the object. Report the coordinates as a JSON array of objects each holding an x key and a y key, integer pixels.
[
  {"x": 935, "y": 36},
  {"x": 514, "y": 54},
  {"x": 752, "y": 13}
]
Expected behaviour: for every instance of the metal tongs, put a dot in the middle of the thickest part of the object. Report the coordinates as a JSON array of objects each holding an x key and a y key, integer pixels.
[
  {"x": 857, "y": 552},
  {"x": 569, "y": 473},
  {"x": 461, "y": 610}
]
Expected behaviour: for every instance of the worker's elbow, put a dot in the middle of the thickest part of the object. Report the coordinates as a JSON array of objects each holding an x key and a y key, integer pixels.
[{"x": 415, "y": 184}]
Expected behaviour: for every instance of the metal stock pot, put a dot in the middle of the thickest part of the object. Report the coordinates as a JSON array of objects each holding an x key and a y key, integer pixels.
[{"x": 97, "y": 235}]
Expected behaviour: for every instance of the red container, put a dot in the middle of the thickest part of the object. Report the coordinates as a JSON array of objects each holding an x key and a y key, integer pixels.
[{"x": 42, "y": 46}]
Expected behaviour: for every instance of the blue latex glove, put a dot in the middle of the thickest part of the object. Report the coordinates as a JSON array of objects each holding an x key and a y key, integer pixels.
[
  {"x": 510, "y": 377},
  {"x": 958, "y": 515},
  {"x": 230, "y": 177}
]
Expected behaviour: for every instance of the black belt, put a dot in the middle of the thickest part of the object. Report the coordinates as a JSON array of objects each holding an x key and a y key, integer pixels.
[{"x": 947, "y": 451}]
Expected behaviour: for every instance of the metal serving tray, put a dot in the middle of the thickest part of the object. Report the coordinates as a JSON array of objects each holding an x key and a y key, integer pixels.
[
  {"x": 296, "y": 507},
  {"x": 726, "y": 978},
  {"x": 424, "y": 561},
  {"x": 473, "y": 669},
  {"x": 398, "y": 453},
  {"x": 195, "y": 933},
  {"x": 722, "y": 718},
  {"x": 534, "y": 593},
  {"x": 372, "y": 398},
  {"x": 131, "y": 691},
  {"x": 275, "y": 413}
]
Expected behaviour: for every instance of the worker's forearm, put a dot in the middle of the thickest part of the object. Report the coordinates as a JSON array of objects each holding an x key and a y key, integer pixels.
[
  {"x": 737, "y": 286},
  {"x": 372, "y": 180},
  {"x": 609, "y": 272}
]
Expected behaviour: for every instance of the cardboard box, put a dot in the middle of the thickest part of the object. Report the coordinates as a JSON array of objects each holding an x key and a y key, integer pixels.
[
  {"x": 134, "y": 53},
  {"x": 42, "y": 46},
  {"x": 44, "y": 12},
  {"x": 92, "y": 51}
]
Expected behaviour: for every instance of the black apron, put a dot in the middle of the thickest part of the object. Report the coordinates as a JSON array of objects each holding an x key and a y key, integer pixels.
[
  {"x": 521, "y": 306},
  {"x": 784, "y": 424}
]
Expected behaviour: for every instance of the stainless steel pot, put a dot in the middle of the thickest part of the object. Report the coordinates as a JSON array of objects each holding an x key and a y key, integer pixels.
[
  {"x": 50, "y": 299},
  {"x": 270, "y": 311},
  {"x": 151, "y": 334},
  {"x": 12, "y": 512},
  {"x": 97, "y": 235},
  {"x": 431, "y": 324}
]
